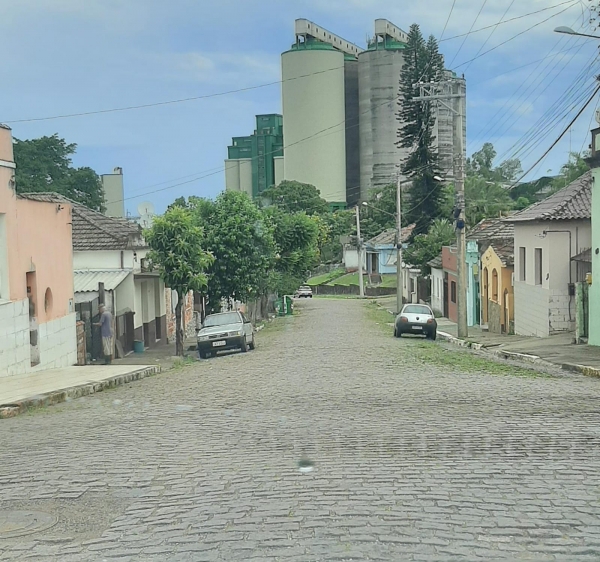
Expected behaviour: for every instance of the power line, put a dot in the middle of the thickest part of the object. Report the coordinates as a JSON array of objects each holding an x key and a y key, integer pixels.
[
  {"x": 589, "y": 100},
  {"x": 447, "y": 21},
  {"x": 467, "y": 36}
]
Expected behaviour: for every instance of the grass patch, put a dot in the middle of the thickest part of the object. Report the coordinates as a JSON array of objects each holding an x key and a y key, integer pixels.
[
  {"x": 432, "y": 353},
  {"x": 325, "y": 277},
  {"x": 346, "y": 280},
  {"x": 182, "y": 362}
]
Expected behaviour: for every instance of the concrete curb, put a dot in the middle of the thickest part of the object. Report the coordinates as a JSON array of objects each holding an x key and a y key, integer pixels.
[{"x": 62, "y": 395}]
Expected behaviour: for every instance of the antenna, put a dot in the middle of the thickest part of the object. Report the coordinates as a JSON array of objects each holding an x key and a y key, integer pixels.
[{"x": 146, "y": 211}]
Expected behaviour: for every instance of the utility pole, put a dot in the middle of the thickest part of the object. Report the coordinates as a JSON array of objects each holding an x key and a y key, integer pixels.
[
  {"x": 449, "y": 93},
  {"x": 361, "y": 286},
  {"x": 399, "y": 270}
]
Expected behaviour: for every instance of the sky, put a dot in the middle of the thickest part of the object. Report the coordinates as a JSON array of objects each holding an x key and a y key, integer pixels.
[{"x": 78, "y": 56}]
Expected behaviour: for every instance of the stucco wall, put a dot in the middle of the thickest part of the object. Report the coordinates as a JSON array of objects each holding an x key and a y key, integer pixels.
[
  {"x": 58, "y": 343},
  {"x": 15, "y": 357},
  {"x": 531, "y": 310},
  {"x": 437, "y": 290}
]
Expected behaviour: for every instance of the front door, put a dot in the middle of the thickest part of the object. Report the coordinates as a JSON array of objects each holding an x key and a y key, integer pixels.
[{"x": 446, "y": 295}]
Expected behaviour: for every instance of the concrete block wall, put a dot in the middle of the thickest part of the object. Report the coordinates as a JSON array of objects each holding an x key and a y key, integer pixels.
[
  {"x": 15, "y": 355},
  {"x": 561, "y": 318},
  {"x": 58, "y": 343},
  {"x": 531, "y": 310}
]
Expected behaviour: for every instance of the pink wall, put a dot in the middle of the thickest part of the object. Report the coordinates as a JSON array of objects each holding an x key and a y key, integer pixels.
[{"x": 38, "y": 239}]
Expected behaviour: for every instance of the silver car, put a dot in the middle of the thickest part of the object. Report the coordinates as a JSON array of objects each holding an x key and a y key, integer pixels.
[
  {"x": 225, "y": 331},
  {"x": 416, "y": 319}
]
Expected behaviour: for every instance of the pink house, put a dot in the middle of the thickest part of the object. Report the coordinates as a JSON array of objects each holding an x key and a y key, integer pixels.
[{"x": 37, "y": 317}]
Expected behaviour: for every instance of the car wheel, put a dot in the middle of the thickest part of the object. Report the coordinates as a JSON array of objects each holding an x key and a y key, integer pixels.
[
  {"x": 202, "y": 354},
  {"x": 432, "y": 336},
  {"x": 252, "y": 344},
  {"x": 244, "y": 346},
  {"x": 397, "y": 334}
]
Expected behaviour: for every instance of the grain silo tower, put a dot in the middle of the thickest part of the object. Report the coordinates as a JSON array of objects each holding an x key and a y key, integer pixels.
[
  {"x": 379, "y": 69},
  {"x": 317, "y": 94}
]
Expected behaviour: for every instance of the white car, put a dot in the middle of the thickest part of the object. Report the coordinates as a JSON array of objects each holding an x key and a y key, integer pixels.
[
  {"x": 224, "y": 331},
  {"x": 416, "y": 319},
  {"x": 304, "y": 292}
]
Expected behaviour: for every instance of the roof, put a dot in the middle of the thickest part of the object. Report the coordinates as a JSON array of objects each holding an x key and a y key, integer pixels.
[
  {"x": 87, "y": 280},
  {"x": 574, "y": 202},
  {"x": 436, "y": 263},
  {"x": 585, "y": 256},
  {"x": 505, "y": 250},
  {"x": 93, "y": 230},
  {"x": 388, "y": 237},
  {"x": 492, "y": 229}
]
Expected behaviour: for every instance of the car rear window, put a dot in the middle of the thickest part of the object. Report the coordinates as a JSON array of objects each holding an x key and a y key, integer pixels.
[
  {"x": 417, "y": 309},
  {"x": 222, "y": 319}
]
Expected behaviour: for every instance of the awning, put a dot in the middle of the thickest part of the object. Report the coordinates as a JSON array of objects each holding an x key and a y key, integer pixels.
[
  {"x": 585, "y": 256},
  {"x": 87, "y": 280}
]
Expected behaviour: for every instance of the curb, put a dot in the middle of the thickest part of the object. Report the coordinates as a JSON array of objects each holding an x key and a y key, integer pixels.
[{"x": 62, "y": 395}]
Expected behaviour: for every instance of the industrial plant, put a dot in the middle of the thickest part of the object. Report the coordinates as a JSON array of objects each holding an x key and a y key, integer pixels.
[{"x": 339, "y": 128}]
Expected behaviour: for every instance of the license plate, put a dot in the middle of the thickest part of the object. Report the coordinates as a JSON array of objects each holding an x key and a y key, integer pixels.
[
  {"x": 417, "y": 327},
  {"x": 218, "y": 343}
]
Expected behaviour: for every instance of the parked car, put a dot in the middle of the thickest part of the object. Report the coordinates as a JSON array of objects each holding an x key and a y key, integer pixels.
[
  {"x": 416, "y": 319},
  {"x": 304, "y": 292},
  {"x": 225, "y": 331}
]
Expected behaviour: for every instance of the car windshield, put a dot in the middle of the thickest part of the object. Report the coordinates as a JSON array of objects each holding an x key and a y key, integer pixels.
[
  {"x": 305, "y": 288},
  {"x": 416, "y": 309},
  {"x": 222, "y": 319}
]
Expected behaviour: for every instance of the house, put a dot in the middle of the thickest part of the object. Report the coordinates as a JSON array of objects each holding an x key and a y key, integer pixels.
[
  {"x": 547, "y": 237},
  {"x": 109, "y": 257},
  {"x": 491, "y": 242},
  {"x": 37, "y": 315},
  {"x": 437, "y": 284},
  {"x": 450, "y": 283},
  {"x": 381, "y": 253}
]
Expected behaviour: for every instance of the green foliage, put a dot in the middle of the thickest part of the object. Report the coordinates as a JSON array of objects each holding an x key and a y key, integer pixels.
[
  {"x": 423, "y": 62},
  {"x": 176, "y": 251},
  {"x": 426, "y": 247},
  {"x": 574, "y": 168},
  {"x": 485, "y": 199},
  {"x": 295, "y": 197},
  {"x": 44, "y": 164},
  {"x": 380, "y": 213},
  {"x": 522, "y": 203},
  {"x": 332, "y": 226},
  {"x": 326, "y": 278},
  {"x": 241, "y": 240},
  {"x": 531, "y": 190},
  {"x": 481, "y": 164}
]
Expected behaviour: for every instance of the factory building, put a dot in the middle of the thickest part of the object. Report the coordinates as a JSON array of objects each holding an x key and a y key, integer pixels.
[{"x": 340, "y": 104}]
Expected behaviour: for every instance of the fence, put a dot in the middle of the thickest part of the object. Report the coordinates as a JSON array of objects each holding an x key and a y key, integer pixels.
[{"x": 342, "y": 290}]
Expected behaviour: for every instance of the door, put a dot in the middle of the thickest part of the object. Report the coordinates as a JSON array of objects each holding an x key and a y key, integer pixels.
[{"x": 446, "y": 295}]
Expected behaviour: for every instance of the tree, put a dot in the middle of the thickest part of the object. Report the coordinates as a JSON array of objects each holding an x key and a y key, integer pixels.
[
  {"x": 423, "y": 62},
  {"x": 481, "y": 164},
  {"x": 332, "y": 226},
  {"x": 574, "y": 168},
  {"x": 176, "y": 251},
  {"x": 295, "y": 197},
  {"x": 426, "y": 247},
  {"x": 485, "y": 199},
  {"x": 44, "y": 164},
  {"x": 380, "y": 212},
  {"x": 241, "y": 240}
]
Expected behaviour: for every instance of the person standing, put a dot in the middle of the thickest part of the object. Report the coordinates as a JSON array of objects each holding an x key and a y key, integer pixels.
[{"x": 106, "y": 332}]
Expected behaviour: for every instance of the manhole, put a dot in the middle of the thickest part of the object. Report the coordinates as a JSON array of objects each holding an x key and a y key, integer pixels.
[{"x": 19, "y": 523}]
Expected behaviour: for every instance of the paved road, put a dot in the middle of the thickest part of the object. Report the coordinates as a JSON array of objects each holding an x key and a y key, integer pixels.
[{"x": 411, "y": 462}]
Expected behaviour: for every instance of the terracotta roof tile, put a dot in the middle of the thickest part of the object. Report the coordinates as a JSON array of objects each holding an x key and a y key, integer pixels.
[
  {"x": 491, "y": 229},
  {"x": 389, "y": 236},
  {"x": 93, "y": 230}
]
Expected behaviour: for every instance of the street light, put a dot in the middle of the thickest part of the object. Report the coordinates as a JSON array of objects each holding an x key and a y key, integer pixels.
[{"x": 568, "y": 31}]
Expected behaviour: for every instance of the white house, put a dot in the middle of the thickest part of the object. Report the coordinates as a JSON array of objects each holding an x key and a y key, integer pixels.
[
  {"x": 437, "y": 284},
  {"x": 548, "y": 236}
]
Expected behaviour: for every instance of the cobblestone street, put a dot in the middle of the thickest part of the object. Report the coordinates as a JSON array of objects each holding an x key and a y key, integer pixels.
[{"x": 411, "y": 461}]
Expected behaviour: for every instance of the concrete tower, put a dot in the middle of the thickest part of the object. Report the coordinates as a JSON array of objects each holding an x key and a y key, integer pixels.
[{"x": 319, "y": 100}]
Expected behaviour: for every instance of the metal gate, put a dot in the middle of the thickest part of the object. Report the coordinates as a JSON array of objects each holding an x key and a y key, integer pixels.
[{"x": 87, "y": 312}]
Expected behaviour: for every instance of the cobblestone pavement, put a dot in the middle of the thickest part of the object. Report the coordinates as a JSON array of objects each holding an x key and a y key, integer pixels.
[{"x": 412, "y": 462}]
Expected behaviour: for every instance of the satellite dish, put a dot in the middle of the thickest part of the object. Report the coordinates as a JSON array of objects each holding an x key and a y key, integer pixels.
[
  {"x": 598, "y": 116},
  {"x": 145, "y": 209}
]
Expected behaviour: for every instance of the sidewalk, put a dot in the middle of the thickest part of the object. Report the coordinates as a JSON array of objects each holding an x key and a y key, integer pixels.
[
  {"x": 19, "y": 393},
  {"x": 554, "y": 351},
  {"x": 162, "y": 355}
]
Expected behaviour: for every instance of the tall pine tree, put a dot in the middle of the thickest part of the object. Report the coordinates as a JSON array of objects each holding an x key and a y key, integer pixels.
[{"x": 422, "y": 63}]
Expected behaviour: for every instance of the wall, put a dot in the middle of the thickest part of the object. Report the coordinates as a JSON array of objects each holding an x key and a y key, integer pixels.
[
  {"x": 352, "y": 132},
  {"x": 557, "y": 272},
  {"x": 531, "y": 310},
  {"x": 594, "y": 291},
  {"x": 437, "y": 290},
  {"x": 449, "y": 268},
  {"x": 58, "y": 343},
  {"x": 351, "y": 259},
  {"x": 188, "y": 313},
  {"x": 104, "y": 259},
  {"x": 112, "y": 184},
  {"x": 314, "y": 108},
  {"x": 238, "y": 175},
  {"x": 387, "y": 261},
  {"x": 15, "y": 354},
  {"x": 494, "y": 318},
  {"x": 279, "y": 165},
  {"x": 490, "y": 262}
]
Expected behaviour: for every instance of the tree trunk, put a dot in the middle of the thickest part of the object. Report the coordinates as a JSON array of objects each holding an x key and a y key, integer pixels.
[{"x": 178, "y": 329}]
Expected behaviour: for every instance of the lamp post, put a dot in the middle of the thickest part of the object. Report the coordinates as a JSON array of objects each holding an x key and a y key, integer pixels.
[
  {"x": 568, "y": 31},
  {"x": 398, "y": 217}
]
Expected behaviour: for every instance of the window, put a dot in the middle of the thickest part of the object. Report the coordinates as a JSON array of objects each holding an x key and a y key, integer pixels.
[
  {"x": 48, "y": 301},
  {"x": 538, "y": 266},
  {"x": 522, "y": 264},
  {"x": 495, "y": 285},
  {"x": 453, "y": 291}
]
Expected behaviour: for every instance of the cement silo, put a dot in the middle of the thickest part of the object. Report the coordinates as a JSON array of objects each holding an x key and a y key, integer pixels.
[
  {"x": 314, "y": 110},
  {"x": 379, "y": 69}
]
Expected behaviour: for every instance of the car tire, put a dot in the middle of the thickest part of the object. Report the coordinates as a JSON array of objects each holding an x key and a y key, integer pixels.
[
  {"x": 397, "y": 334},
  {"x": 432, "y": 336},
  {"x": 244, "y": 347},
  {"x": 202, "y": 354},
  {"x": 252, "y": 344}
]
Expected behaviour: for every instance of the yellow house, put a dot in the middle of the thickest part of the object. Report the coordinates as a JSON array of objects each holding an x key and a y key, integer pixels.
[{"x": 497, "y": 294}]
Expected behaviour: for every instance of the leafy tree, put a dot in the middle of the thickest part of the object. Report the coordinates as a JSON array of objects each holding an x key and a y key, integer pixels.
[
  {"x": 176, "y": 251},
  {"x": 426, "y": 247},
  {"x": 481, "y": 164},
  {"x": 423, "y": 62},
  {"x": 332, "y": 226},
  {"x": 44, "y": 164},
  {"x": 241, "y": 240},
  {"x": 485, "y": 199},
  {"x": 522, "y": 203},
  {"x": 380, "y": 212},
  {"x": 179, "y": 202},
  {"x": 295, "y": 197},
  {"x": 532, "y": 191},
  {"x": 574, "y": 168}
]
